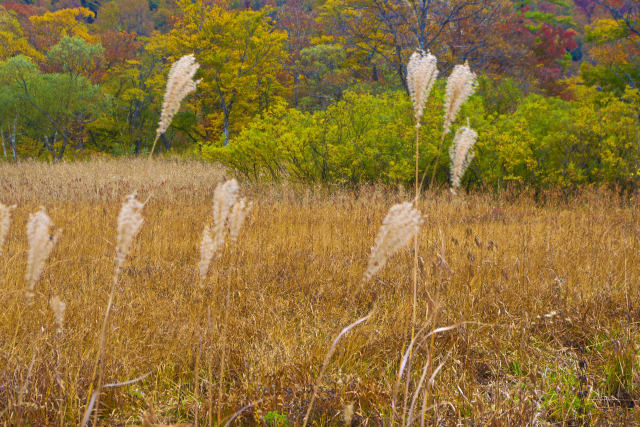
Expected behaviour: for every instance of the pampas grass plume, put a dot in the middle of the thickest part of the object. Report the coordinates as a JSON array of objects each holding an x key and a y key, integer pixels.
[
  {"x": 5, "y": 221},
  {"x": 238, "y": 215},
  {"x": 41, "y": 242},
  {"x": 422, "y": 72},
  {"x": 129, "y": 222},
  {"x": 224, "y": 199},
  {"x": 180, "y": 83},
  {"x": 461, "y": 153},
  {"x": 398, "y": 227},
  {"x": 208, "y": 249},
  {"x": 58, "y": 306},
  {"x": 460, "y": 86}
]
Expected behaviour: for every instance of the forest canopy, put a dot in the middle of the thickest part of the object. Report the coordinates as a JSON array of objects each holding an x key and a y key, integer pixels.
[{"x": 316, "y": 90}]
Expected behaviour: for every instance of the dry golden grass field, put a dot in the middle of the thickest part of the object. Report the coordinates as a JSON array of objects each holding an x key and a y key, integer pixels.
[{"x": 538, "y": 301}]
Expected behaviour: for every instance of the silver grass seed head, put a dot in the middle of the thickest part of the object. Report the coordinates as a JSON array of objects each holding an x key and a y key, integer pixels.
[
  {"x": 58, "y": 306},
  {"x": 41, "y": 242},
  {"x": 461, "y": 85},
  {"x": 129, "y": 221},
  {"x": 208, "y": 248},
  {"x": 213, "y": 238},
  {"x": 224, "y": 197},
  {"x": 238, "y": 215},
  {"x": 398, "y": 227},
  {"x": 422, "y": 72},
  {"x": 180, "y": 83},
  {"x": 5, "y": 221},
  {"x": 461, "y": 153}
]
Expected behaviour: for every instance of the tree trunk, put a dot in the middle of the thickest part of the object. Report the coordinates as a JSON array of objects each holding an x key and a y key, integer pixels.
[
  {"x": 226, "y": 126},
  {"x": 13, "y": 139},
  {"x": 62, "y": 148},
  {"x": 4, "y": 150}
]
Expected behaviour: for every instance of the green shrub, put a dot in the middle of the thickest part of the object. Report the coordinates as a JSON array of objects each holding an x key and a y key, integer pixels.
[{"x": 539, "y": 142}]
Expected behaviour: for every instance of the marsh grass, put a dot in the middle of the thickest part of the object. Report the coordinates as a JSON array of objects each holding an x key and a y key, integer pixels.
[{"x": 500, "y": 263}]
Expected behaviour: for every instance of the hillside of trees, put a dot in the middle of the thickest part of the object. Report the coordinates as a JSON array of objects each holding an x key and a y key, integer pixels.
[{"x": 315, "y": 90}]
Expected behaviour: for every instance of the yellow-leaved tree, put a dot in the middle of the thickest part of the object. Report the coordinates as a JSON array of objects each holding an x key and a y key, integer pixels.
[
  {"x": 240, "y": 53},
  {"x": 51, "y": 27},
  {"x": 12, "y": 39}
]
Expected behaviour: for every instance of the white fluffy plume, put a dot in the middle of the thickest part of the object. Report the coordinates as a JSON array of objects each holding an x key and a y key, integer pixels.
[
  {"x": 238, "y": 215},
  {"x": 58, "y": 306},
  {"x": 422, "y": 72},
  {"x": 5, "y": 221},
  {"x": 461, "y": 153},
  {"x": 224, "y": 198},
  {"x": 460, "y": 86},
  {"x": 129, "y": 222},
  {"x": 180, "y": 83},
  {"x": 41, "y": 242},
  {"x": 398, "y": 227}
]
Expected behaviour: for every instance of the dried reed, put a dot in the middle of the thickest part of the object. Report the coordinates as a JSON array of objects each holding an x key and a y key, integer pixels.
[
  {"x": 326, "y": 363},
  {"x": 180, "y": 83}
]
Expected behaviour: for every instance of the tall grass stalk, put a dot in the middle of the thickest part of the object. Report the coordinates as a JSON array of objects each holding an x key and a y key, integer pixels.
[
  {"x": 129, "y": 221},
  {"x": 236, "y": 217},
  {"x": 327, "y": 358},
  {"x": 422, "y": 72}
]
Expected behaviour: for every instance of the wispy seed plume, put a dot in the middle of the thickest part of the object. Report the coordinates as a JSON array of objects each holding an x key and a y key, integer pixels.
[
  {"x": 461, "y": 153},
  {"x": 208, "y": 249},
  {"x": 180, "y": 83},
  {"x": 422, "y": 72},
  {"x": 58, "y": 306},
  {"x": 5, "y": 221},
  {"x": 41, "y": 242},
  {"x": 238, "y": 215},
  {"x": 129, "y": 222},
  {"x": 398, "y": 227},
  {"x": 224, "y": 197},
  {"x": 213, "y": 238},
  {"x": 460, "y": 86}
]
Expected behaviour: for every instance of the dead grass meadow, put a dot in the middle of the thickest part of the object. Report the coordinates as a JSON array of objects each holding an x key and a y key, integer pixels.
[{"x": 537, "y": 304}]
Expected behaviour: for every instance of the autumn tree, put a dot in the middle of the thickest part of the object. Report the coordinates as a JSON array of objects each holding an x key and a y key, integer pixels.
[
  {"x": 389, "y": 30},
  {"x": 297, "y": 19},
  {"x": 12, "y": 38},
  {"x": 49, "y": 28},
  {"x": 55, "y": 106},
  {"x": 614, "y": 47},
  {"x": 240, "y": 53}
]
